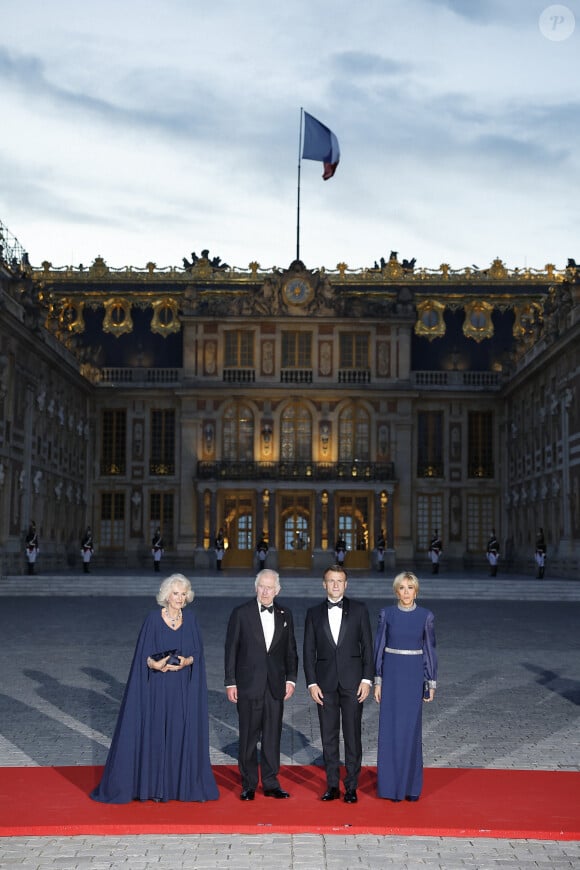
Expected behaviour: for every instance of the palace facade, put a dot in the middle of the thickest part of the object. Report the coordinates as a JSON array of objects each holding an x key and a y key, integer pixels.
[{"x": 292, "y": 404}]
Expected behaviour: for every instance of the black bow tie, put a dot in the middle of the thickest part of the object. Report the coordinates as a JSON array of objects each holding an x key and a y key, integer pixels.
[
  {"x": 270, "y": 609},
  {"x": 334, "y": 604}
]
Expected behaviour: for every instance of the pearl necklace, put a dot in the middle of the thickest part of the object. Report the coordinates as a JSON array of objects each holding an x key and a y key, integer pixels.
[
  {"x": 406, "y": 607},
  {"x": 172, "y": 619}
]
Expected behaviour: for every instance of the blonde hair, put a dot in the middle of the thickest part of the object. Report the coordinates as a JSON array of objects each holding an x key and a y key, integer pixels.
[
  {"x": 409, "y": 577},
  {"x": 165, "y": 589}
]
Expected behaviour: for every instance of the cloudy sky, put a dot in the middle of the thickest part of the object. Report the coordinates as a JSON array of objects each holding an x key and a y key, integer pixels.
[{"x": 143, "y": 131}]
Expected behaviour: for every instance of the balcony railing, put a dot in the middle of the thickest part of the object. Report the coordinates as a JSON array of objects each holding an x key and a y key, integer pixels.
[
  {"x": 138, "y": 375},
  {"x": 239, "y": 376},
  {"x": 354, "y": 376},
  {"x": 301, "y": 471},
  {"x": 453, "y": 380},
  {"x": 296, "y": 376}
]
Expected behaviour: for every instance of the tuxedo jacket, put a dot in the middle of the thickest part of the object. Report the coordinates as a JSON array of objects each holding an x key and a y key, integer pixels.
[
  {"x": 248, "y": 664},
  {"x": 342, "y": 664}
]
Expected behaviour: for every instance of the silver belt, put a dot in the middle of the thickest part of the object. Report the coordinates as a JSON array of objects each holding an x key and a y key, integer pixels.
[{"x": 404, "y": 652}]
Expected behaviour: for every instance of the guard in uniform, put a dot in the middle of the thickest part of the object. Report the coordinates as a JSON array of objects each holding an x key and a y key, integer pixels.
[
  {"x": 32, "y": 547},
  {"x": 540, "y": 556},
  {"x": 220, "y": 548},
  {"x": 493, "y": 553},
  {"x": 87, "y": 548},
  {"x": 157, "y": 550},
  {"x": 435, "y": 550}
]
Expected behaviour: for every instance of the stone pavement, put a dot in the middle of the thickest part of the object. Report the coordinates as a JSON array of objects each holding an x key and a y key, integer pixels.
[{"x": 509, "y": 697}]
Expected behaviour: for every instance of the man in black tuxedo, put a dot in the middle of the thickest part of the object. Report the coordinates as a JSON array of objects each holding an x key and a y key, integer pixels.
[
  {"x": 261, "y": 665},
  {"x": 339, "y": 669}
]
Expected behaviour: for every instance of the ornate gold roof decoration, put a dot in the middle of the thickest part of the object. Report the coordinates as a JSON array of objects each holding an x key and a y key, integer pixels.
[
  {"x": 165, "y": 318},
  {"x": 430, "y": 323},
  {"x": 118, "y": 318},
  {"x": 477, "y": 323},
  {"x": 71, "y": 317},
  {"x": 527, "y": 320},
  {"x": 99, "y": 269}
]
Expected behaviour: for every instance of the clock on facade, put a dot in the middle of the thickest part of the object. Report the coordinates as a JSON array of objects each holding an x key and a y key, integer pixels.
[{"x": 297, "y": 291}]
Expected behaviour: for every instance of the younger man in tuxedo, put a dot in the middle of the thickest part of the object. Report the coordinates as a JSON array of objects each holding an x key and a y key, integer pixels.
[
  {"x": 261, "y": 665},
  {"x": 339, "y": 669}
]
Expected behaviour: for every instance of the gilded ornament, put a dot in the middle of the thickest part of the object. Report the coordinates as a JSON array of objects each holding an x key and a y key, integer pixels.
[{"x": 117, "y": 318}]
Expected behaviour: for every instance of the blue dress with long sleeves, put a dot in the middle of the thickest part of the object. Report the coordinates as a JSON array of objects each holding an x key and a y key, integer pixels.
[{"x": 400, "y": 749}]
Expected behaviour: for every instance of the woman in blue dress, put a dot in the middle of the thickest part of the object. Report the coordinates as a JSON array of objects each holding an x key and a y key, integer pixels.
[
  {"x": 406, "y": 676},
  {"x": 160, "y": 748}
]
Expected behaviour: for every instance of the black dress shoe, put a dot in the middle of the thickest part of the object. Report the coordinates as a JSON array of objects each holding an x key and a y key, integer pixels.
[
  {"x": 247, "y": 794},
  {"x": 331, "y": 794},
  {"x": 350, "y": 796},
  {"x": 276, "y": 793}
]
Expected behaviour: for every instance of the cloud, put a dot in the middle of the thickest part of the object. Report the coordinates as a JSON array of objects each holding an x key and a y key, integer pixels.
[{"x": 365, "y": 64}]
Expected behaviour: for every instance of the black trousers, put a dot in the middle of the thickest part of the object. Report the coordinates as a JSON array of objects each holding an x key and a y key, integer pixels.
[
  {"x": 341, "y": 705},
  {"x": 260, "y": 721}
]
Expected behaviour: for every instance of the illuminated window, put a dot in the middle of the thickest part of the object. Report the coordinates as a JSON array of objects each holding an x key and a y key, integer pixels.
[
  {"x": 296, "y": 350},
  {"x": 161, "y": 516},
  {"x": 112, "y": 531},
  {"x": 430, "y": 444},
  {"x": 354, "y": 435},
  {"x": 238, "y": 433},
  {"x": 296, "y": 433},
  {"x": 480, "y": 444},
  {"x": 162, "y": 459},
  {"x": 239, "y": 348},
  {"x": 114, "y": 442},
  {"x": 354, "y": 350}
]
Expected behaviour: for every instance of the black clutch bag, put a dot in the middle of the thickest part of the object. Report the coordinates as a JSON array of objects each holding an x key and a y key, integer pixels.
[
  {"x": 172, "y": 653},
  {"x": 426, "y": 690}
]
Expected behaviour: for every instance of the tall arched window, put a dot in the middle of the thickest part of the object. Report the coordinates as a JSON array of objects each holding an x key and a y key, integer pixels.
[
  {"x": 354, "y": 434},
  {"x": 296, "y": 433},
  {"x": 238, "y": 433}
]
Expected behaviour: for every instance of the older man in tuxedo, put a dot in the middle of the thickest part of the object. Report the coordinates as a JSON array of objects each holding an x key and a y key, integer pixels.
[
  {"x": 261, "y": 665},
  {"x": 339, "y": 669}
]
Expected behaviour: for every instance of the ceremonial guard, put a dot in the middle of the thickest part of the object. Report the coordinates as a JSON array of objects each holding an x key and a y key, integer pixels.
[
  {"x": 262, "y": 550},
  {"x": 493, "y": 553},
  {"x": 435, "y": 550},
  {"x": 87, "y": 548},
  {"x": 157, "y": 550},
  {"x": 381, "y": 544},
  {"x": 32, "y": 547},
  {"x": 540, "y": 555},
  {"x": 219, "y": 547},
  {"x": 340, "y": 551}
]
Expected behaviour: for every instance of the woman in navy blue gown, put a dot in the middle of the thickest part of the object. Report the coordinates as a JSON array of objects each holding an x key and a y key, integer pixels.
[
  {"x": 160, "y": 748},
  {"x": 405, "y": 660}
]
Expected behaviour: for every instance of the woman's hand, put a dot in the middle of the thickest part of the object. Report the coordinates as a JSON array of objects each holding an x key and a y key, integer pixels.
[
  {"x": 161, "y": 665},
  {"x": 184, "y": 662},
  {"x": 157, "y": 664},
  {"x": 378, "y": 694},
  {"x": 431, "y": 696}
]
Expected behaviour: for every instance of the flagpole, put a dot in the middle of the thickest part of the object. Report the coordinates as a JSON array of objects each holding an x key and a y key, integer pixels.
[{"x": 298, "y": 202}]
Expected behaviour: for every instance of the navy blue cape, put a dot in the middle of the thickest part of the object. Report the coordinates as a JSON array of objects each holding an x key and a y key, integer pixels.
[{"x": 160, "y": 747}]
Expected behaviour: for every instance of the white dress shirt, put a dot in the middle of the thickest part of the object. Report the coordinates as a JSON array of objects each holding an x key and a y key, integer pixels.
[{"x": 267, "y": 620}]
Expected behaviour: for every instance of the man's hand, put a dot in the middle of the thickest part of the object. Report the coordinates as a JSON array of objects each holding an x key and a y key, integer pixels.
[
  {"x": 232, "y": 694},
  {"x": 363, "y": 692},
  {"x": 316, "y": 694},
  {"x": 289, "y": 691}
]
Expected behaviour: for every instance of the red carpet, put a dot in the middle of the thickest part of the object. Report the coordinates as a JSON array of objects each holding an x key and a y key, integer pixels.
[{"x": 465, "y": 802}]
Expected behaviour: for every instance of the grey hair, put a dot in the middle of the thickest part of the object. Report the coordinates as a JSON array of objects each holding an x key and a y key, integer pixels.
[
  {"x": 165, "y": 589},
  {"x": 271, "y": 573}
]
